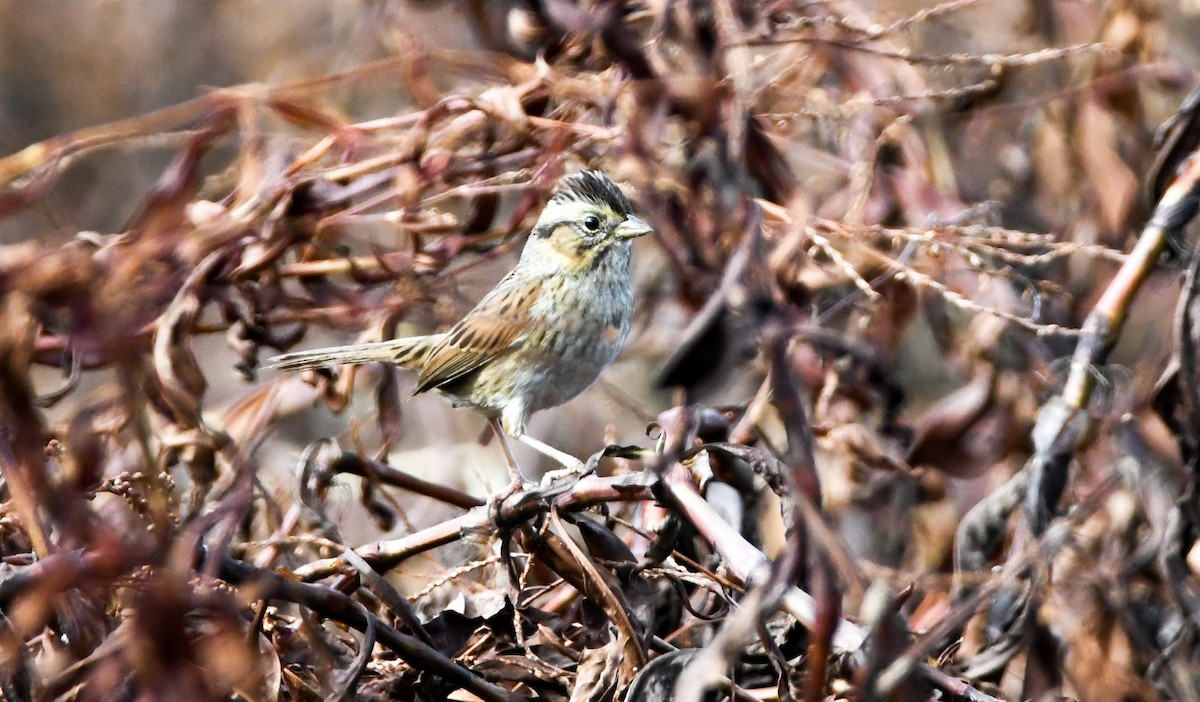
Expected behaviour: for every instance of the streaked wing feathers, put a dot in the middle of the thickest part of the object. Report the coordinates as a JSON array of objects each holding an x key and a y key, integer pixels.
[{"x": 497, "y": 324}]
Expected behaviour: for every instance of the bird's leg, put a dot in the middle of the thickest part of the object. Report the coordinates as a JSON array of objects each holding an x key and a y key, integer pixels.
[
  {"x": 570, "y": 464},
  {"x": 561, "y": 457},
  {"x": 514, "y": 471}
]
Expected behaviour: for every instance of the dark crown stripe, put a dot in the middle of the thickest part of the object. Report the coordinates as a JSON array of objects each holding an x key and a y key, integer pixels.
[{"x": 593, "y": 186}]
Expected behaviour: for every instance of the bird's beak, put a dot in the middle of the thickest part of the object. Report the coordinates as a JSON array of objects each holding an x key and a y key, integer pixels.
[{"x": 632, "y": 227}]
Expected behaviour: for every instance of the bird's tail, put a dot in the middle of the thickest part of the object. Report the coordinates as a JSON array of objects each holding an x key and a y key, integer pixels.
[{"x": 407, "y": 353}]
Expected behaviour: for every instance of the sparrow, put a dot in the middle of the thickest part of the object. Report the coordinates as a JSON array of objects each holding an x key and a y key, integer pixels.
[{"x": 543, "y": 334}]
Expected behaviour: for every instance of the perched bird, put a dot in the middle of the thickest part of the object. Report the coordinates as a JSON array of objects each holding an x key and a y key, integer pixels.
[{"x": 544, "y": 333}]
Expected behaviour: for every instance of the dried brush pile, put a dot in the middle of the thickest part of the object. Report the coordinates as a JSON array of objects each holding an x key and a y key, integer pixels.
[{"x": 882, "y": 473}]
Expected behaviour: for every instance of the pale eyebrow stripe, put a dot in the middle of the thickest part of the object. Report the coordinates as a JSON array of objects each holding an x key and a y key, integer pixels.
[{"x": 559, "y": 211}]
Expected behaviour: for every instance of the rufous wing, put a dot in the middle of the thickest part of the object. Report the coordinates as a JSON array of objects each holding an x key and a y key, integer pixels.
[{"x": 496, "y": 325}]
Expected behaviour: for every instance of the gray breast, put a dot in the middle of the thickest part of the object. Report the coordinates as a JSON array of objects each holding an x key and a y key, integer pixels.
[{"x": 580, "y": 335}]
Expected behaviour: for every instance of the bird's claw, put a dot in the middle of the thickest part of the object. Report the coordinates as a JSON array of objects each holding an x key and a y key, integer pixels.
[
  {"x": 496, "y": 500},
  {"x": 553, "y": 477}
]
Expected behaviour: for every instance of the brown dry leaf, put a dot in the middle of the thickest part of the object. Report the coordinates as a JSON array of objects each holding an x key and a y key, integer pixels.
[
  {"x": 246, "y": 420},
  {"x": 232, "y": 664},
  {"x": 599, "y": 673},
  {"x": 602, "y": 588},
  {"x": 1101, "y": 662},
  {"x": 847, "y": 455},
  {"x": 1099, "y": 135},
  {"x": 178, "y": 373},
  {"x": 948, "y": 419},
  {"x": 934, "y": 526},
  {"x": 1057, "y": 180}
]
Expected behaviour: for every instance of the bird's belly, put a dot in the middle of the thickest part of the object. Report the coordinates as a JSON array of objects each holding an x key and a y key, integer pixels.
[
  {"x": 560, "y": 356},
  {"x": 547, "y": 370},
  {"x": 564, "y": 363}
]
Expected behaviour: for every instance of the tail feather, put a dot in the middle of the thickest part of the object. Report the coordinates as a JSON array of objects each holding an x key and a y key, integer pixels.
[{"x": 407, "y": 352}]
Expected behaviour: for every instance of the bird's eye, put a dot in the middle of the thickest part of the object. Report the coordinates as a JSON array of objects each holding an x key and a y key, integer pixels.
[{"x": 591, "y": 222}]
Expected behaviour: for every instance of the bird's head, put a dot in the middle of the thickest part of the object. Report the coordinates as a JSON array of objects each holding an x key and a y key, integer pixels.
[{"x": 586, "y": 218}]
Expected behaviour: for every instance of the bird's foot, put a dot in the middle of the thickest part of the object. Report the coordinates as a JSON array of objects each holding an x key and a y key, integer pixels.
[
  {"x": 498, "y": 499},
  {"x": 574, "y": 471}
]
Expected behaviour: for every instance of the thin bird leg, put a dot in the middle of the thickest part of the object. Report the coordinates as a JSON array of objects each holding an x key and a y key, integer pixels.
[
  {"x": 567, "y": 460},
  {"x": 518, "y": 478}
]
